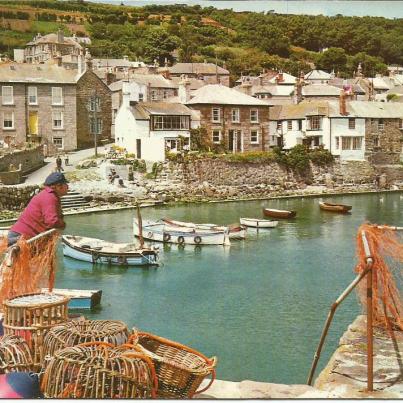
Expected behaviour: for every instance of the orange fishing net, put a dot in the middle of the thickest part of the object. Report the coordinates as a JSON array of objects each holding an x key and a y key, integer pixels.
[
  {"x": 29, "y": 269},
  {"x": 386, "y": 249}
]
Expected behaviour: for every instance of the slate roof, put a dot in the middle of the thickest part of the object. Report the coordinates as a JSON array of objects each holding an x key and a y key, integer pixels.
[
  {"x": 317, "y": 75},
  {"x": 218, "y": 94},
  {"x": 320, "y": 90},
  {"x": 355, "y": 109},
  {"x": 155, "y": 81},
  {"x": 53, "y": 38},
  {"x": 353, "y": 82},
  {"x": 197, "y": 68},
  {"x": 37, "y": 73},
  {"x": 143, "y": 110},
  {"x": 115, "y": 63}
]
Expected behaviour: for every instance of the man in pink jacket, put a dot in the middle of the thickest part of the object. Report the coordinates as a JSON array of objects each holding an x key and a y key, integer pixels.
[{"x": 43, "y": 212}]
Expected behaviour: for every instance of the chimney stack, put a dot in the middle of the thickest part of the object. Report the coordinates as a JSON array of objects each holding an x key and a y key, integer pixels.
[
  {"x": 184, "y": 90},
  {"x": 298, "y": 91},
  {"x": 280, "y": 77},
  {"x": 60, "y": 36},
  {"x": 343, "y": 103}
]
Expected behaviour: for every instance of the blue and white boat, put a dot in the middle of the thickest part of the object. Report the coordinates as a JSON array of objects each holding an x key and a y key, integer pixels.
[
  {"x": 161, "y": 232},
  {"x": 79, "y": 299},
  {"x": 95, "y": 250}
]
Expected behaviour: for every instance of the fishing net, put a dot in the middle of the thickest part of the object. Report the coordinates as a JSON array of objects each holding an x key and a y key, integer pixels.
[
  {"x": 386, "y": 249},
  {"x": 28, "y": 269}
]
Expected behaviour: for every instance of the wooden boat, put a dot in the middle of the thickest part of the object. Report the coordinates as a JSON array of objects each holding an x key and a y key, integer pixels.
[
  {"x": 161, "y": 232},
  {"x": 235, "y": 231},
  {"x": 79, "y": 299},
  {"x": 257, "y": 223},
  {"x": 337, "y": 208},
  {"x": 95, "y": 250},
  {"x": 269, "y": 212}
]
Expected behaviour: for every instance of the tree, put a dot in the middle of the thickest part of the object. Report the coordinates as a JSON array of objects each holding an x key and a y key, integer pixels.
[
  {"x": 333, "y": 59},
  {"x": 158, "y": 45}
]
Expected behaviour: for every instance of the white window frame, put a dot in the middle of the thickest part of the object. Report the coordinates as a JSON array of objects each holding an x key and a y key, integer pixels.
[
  {"x": 62, "y": 142},
  {"x": 54, "y": 95},
  {"x": 54, "y": 119},
  {"x": 289, "y": 124},
  {"x": 219, "y": 136},
  {"x": 141, "y": 97},
  {"x": 12, "y": 120},
  {"x": 10, "y": 96},
  {"x": 235, "y": 115},
  {"x": 351, "y": 123},
  {"x": 356, "y": 143},
  {"x": 216, "y": 115},
  {"x": 257, "y": 137},
  {"x": 154, "y": 95},
  {"x": 32, "y": 93},
  {"x": 381, "y": 124},
  {"x": 254, "y": 116}
]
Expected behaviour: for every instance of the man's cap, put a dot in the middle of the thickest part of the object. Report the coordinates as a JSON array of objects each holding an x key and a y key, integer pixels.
[{"x": 55, "y": 178}]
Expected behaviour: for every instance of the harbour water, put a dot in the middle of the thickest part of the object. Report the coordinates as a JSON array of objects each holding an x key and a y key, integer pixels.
[
  {"x": 359, "y": 8},
  {"x": 260, "y": 304}
]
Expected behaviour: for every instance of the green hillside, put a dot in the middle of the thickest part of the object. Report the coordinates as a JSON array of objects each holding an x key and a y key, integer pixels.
[{"x": 244, "y": 42}]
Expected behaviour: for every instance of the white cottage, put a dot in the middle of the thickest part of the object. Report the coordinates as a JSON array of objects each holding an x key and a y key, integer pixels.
[{"x": 150, "y": 129}]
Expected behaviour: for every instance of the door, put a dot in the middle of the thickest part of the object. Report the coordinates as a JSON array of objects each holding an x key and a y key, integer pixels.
[
  {"x": 239, "y": 141},
  {"x": 138, "y": 148},
  {"x": 231, "y": 140},
  {"x": 33, "y": 123}
]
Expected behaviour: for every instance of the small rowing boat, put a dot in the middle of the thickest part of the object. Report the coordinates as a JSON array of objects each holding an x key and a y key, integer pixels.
[
  {"x": 336, "y": 208},
  {"x": 235, "y": 231},
  {"x": 79, "y": 299},
  {"x": 257, "y": 223},
  {"x": 95, "y": 250},
  {"x": 269, "y": 212},
  {"x": 161, "y": 232}
]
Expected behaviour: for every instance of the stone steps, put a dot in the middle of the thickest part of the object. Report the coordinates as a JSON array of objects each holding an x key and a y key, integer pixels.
[{"x": 73, "y": 200}]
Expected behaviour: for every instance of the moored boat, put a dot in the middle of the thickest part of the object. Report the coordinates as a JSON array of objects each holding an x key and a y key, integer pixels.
[
  {"x": 258, "y": 223},
  {"x": 269, "y": 212},
  {"x": 334, "y": 207},
  {"x": 79, "y": 299},
  {"x": 95, "y": 250},
  {"x": 235, "y": 231},
  {"x": 161, "y": 232}
]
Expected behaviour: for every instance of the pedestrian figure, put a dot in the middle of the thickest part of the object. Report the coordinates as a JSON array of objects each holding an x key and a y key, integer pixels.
[
  {"x": 66, "y": 160},
  {"x": 112, "y": 176},
  {"x": 121, "y": 184},
  {"x": 59, "y": 167}
]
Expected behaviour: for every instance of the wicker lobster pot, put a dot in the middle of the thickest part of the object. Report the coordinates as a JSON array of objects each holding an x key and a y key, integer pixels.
[
  {"x": 180, "y": 369},
  {"x": 31, "y": 316},
  {"x": 15, "y": 355},
  {"x": 72, "y": 333},
  {"x": 98, "y": 370}
]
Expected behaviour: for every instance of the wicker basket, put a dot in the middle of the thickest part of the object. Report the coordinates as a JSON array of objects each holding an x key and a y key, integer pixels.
[
  {"x": 180, "y": 369},
  {"x": 73, "y": 333},
  {"x": 99, "y": 370},
  {"x": 31, "y": 316},
  {"x": 15, "y": 355}
]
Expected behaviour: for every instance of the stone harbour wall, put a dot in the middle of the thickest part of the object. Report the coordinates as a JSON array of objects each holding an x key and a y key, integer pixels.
[
  {"x": 16, "y": 198},
  {"x": 30, "y": 159}
]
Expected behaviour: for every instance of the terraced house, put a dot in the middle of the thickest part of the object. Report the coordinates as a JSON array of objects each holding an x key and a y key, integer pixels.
[{"x": 48, "y": 104}]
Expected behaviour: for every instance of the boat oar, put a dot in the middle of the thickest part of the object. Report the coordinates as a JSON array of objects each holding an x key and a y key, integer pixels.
[{"x": 140, "y": 225}]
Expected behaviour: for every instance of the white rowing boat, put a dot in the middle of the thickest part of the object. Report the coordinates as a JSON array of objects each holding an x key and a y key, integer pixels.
[
  {"x": 234, "y": 231},
  {"x": 161, "y": 232},
  {"x": 95, "y": 250},
  {"x": 258, "y": 223}
]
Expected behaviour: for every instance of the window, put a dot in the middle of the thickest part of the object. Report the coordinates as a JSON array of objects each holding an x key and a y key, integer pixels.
[
  {"x": 58, "y": 142},
  {"x": 95, "y": 104},
  {"x": 299, "y": 124},
  {"x": 153, "y": 95},
  {"x": 215, "y": 115},
  {"x": 337, "y": 139},
  {"x": 279, "y": 125},
  {"x": 254, "y": 137},
  {"x": 96, "y": 125},
  {"x": 165, "y": 94},
  {"x": 381, "y": 124},
  {"x": 254, "y": 116},
  {"x": 8, "y": 120},
  {"x": 351, "y": 123},
  {"x": 314, "y": 123},
  {"x": 32, "y": 96},
  {"x": 57, "y": 118},
  {"x": 170, "y": 122},
  {"x": 7, "y": 95},
  {"x": 235, "y": 115},
  {"x": 289, "y": 124},
  {"x": 57, "y": 96},
  {"x": 216, "y": 136},
  {"x": 400, "y": 123},
  {"x": 141, "y": 97},
  {"x": 351, "y": 143}
]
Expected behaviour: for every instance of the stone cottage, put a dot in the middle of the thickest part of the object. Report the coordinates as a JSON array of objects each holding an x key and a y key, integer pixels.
[{"x": 48, "y": 104}]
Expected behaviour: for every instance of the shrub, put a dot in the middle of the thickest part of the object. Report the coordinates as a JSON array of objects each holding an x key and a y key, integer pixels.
[
  {"x": 320, "y": 156},
  {"x": 251, "y": 157},
  {"x": 297, "y": 158}
]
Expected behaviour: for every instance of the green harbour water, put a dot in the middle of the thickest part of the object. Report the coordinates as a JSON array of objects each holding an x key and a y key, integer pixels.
[{"x": 258, "y": 305}]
